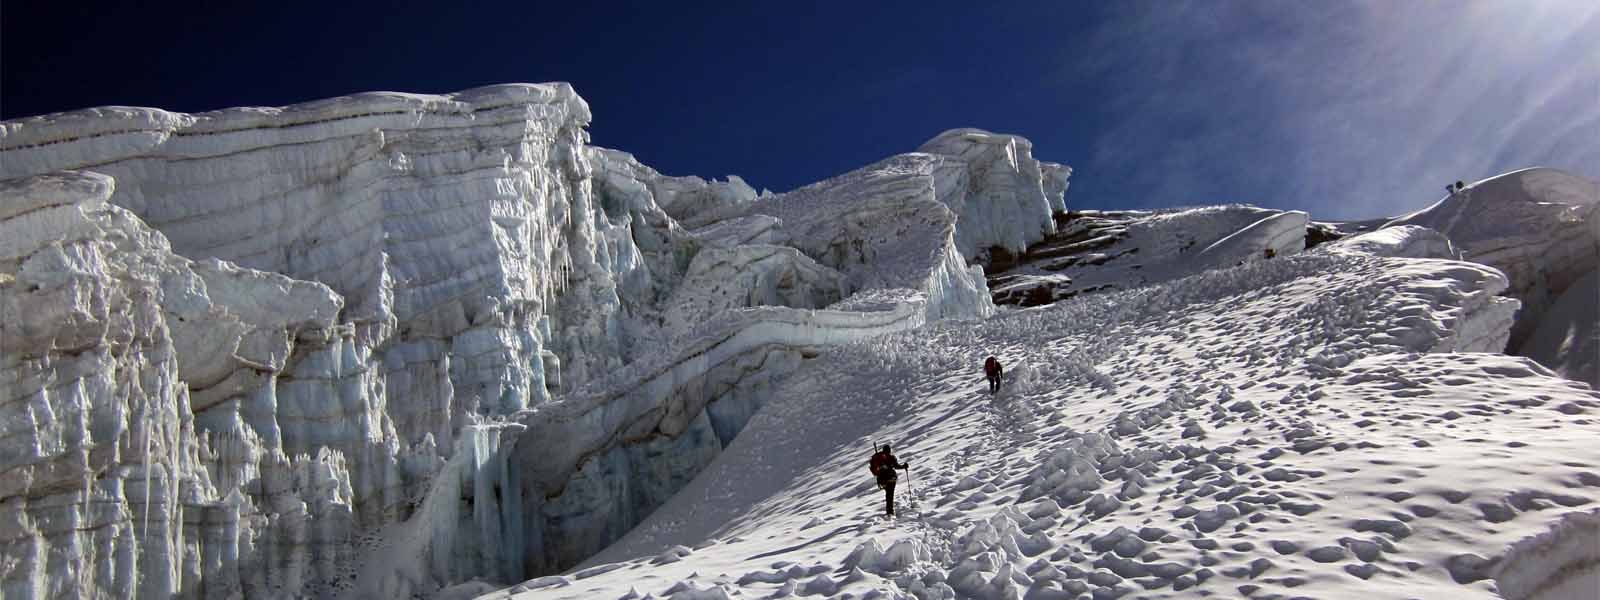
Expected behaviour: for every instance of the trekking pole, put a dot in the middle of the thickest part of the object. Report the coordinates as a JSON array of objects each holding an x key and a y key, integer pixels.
[{"x": 911, "y": 490}]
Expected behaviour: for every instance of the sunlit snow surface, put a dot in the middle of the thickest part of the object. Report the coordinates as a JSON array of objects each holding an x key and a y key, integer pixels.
[{"x": 1312, "y": 426}]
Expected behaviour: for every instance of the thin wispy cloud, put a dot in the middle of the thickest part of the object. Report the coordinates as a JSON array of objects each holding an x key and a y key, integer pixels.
[{"x": 1349, "y": 109}]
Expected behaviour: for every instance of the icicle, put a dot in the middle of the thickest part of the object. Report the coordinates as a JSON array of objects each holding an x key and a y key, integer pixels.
[{"x": 149, "y": 422}]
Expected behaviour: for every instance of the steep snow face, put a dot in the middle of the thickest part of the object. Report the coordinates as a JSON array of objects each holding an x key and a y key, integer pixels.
[
  {"x": 1313, "y": 422},
  {"x": 1098, "y": 251},
  {"x": 1282, "y": 233},
  {"x": 1539, "y": 226}
]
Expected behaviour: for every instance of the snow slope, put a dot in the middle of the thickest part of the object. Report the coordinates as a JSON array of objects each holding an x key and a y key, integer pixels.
[{"x": 1332, "y": 424}]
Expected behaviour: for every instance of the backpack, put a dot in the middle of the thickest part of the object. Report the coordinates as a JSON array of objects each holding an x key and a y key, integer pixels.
[{"x": 882, "y": 466}]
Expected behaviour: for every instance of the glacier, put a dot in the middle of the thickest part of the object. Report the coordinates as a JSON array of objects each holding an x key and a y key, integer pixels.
[
  {"x": 377, "y": 295},
  {"x": 408, "y": 345}
]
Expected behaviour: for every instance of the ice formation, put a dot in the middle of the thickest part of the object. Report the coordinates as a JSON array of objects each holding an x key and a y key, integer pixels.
[
  {"x": 1542, "y": 228},
  {"x": 401, "y": 345},
  {"x": 388, "y": 289}
]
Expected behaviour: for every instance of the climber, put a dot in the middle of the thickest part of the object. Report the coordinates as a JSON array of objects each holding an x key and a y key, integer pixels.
[
  {"x": 1270, "y": 253},
  {"x": 991, "y": 371},
  {"x": 1460, "y": 186},
  {"x": 883, "y": 465}
]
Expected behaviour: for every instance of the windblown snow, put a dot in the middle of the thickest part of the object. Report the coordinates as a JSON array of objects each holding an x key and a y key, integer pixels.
[{"x": 412, "y": 346}]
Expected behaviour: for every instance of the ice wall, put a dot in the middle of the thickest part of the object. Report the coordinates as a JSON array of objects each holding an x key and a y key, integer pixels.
[
  {"x": 1002, "y": 196},
  {"x": 112, "y": 487},
  {"x": 888, "y": 226}
]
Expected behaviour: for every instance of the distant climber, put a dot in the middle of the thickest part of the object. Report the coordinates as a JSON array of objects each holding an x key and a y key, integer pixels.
[
  {"x": 992, "y": 371},
  {"x": 883, "y": 466},
  {"x": 1270, "y": 253},
  {"x": 1460, "y": 186}
]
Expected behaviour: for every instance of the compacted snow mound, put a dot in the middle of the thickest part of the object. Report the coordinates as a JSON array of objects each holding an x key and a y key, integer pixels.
[{"x": 1401, "y": 241}]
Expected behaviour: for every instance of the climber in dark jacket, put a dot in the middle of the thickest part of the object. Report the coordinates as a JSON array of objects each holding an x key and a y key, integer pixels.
[
  {"x": 883, "y": 465},
  {"x": 991, "y": 371}
]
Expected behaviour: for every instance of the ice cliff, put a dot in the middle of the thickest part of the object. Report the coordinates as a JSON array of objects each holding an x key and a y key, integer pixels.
[{"x": 386, "y": 343}]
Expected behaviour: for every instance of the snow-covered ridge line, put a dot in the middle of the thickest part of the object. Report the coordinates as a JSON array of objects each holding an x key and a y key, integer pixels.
[{"x": 58, "y": 128}]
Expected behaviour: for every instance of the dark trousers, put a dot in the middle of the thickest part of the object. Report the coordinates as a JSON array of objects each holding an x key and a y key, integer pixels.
[
  {"x": 994, "y": 383},
  {"x": 887, "y": 483}
]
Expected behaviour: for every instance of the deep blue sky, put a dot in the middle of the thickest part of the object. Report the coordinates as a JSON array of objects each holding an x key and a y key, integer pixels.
[{"x": 1348, "y": 110}]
